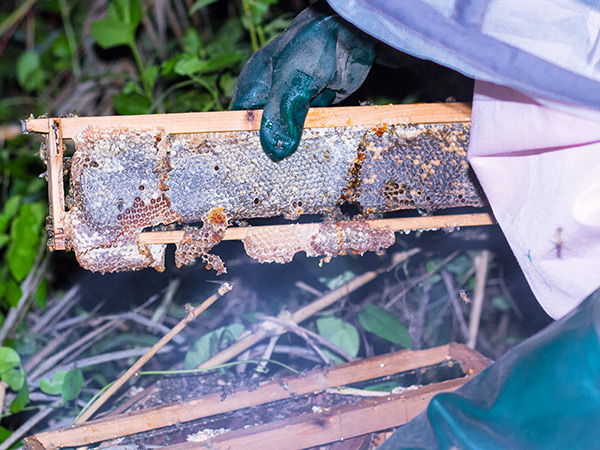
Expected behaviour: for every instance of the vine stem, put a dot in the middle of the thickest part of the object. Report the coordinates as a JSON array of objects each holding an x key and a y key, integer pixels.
[
  {"x": 16, "y": 16},
  {"x": 140, "y": 65},
  {"x": 70, "y": 33},
  {"x": 251, "y": 27}
]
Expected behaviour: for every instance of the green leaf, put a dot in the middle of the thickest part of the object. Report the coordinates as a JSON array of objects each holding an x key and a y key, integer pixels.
[
  {"x": 339, "y": 332},
  {"x": 259, "y": 8},
  {"x": 192, "y": 42},
  {"x": 132, "y": 88},
  {"x": 14, "y": 378},
  {"x": 61, "y": 52},
  {"x": 21, "y": 399},
  {"x": 12, "y": 292},
  {"x": 378, "y": 321},
  {"x": 120, "y": 25},
  {"x": 227, "y": 38},
  {"x": 25, "y": 235},
  {"x": 72, "y": 384},
  {"x": 201, "y": 4},
  {"x": 55, "y": 385},
  {"x": 500, "y": 303},
  {"x": 60, "y": 47},
  {"x": 4, "y": 238},
  {"x": 130, "y": 11},
  {"x": 227, "y": 84},
  {"x": 109, "y": 33},
  {"x": 195, "y": 66},
  {"x": 10, "y": 209},
  {"x": 30, "y": 73},
  {"x": 336, "y": 282},
  {"x": 4, "y": 434},
  {"x": 169, "y": 66},
  {"x": 277, "y": 25},
  {"x": 187, "y": 66},
  {"x": 9, "y": 359},
  {"x": 149, "y": 77},
  {"x": 460, "y": 265},
  {"x": 209, "y": 344},
  {"x": 132, "y": 103},
  {"x": 10, "y": 368}
]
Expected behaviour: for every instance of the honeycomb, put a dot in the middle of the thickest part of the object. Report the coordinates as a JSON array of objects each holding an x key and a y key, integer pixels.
[
  {"x": 280, "y": 244},
  {"x": 125, "y": 181}
]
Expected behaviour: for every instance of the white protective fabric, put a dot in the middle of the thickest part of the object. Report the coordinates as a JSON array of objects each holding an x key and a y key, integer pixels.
[
  {"x": 539, "y": 167},
  {"x": 540, "y": 170}
]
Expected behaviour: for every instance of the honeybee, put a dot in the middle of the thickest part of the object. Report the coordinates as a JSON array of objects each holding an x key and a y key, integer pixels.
[
  {"x": 464, "y": 297},
  {"x": 558, "y": 245}
]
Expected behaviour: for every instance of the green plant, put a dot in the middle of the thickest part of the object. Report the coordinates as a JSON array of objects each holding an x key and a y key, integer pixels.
[{"x": 55, "y": 64}]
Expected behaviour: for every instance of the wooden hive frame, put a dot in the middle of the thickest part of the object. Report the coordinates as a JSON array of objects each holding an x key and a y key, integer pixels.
[
  {"x": 366, "y": 416},
  {"x": 58, "y": 129}
]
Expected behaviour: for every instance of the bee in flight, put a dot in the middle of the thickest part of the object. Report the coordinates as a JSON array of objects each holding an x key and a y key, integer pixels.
[
  {"x": 464, "y": 297},
  {"x": 558, "y": 245}
]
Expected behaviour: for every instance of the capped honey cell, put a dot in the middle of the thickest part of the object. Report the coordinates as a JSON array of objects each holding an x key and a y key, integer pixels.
[{"x": 125, "y": 181}]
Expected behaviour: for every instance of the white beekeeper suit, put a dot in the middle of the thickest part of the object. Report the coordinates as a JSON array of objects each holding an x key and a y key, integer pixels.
[{"x": 535, "y": 136}]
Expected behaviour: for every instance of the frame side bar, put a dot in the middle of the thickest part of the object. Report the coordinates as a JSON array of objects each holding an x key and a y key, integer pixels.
[{"x": 56, "y": 192}]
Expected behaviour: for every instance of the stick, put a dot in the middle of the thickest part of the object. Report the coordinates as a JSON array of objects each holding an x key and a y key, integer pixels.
[
  {"x": 224, "y": 121},
  {"x": 397, "y": 224},
  {"x": 64, "y": 304},
  {"x": 481, "y": 268},
  {"x": 39, "y": 371},
  {"x": 415, "y": 281},
  {"x": 192, "y": 314},
  {"x": 449, "y": 283},
  {"x": 28, "y": 287},
  {"x": 309, "y": 337},
  {"x": 303, "y": 313},
  {"x": 29, "y": 424}
]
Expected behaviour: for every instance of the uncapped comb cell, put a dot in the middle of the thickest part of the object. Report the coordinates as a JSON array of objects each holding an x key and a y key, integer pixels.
[{"x": 125, "y": 181}]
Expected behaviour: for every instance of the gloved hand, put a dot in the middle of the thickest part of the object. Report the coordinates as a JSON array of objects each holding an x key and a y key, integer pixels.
[
  {"x": 542, "y": 394},
  {"x": 318, "y": 60}
]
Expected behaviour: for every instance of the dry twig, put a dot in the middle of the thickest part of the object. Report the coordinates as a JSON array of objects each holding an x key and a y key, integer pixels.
[
  {"x": 304, "y": 313},
  {"x": 415, "y": 281},
  {"x": 455, "y": 303},
  {"x": 28, "y": 288},
  {"x": 481, "y": 269},
  {"x": 192, "y": 314},
  {"x": 61, "y": 307},
  {"x": 310, "y": 338}
]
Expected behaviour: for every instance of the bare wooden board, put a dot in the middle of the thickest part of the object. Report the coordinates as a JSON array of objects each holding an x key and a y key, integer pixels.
[
  {"x": 222, "y": 121},
  {"x": 337, "y": 424},
  {"x": 447, "y": 221},
  {"x": 290, "y": 387}
]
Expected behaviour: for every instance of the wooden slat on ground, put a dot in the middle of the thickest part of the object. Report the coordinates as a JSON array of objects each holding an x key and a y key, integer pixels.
[{"x": 400, "y": 407}]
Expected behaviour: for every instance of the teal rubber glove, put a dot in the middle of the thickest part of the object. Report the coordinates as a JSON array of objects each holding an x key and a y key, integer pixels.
[
  {"x": 318, "y": 60},
  {"x": 542, "y": 394}
]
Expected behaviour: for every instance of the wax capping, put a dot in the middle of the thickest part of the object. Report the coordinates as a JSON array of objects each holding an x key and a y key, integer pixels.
[{"x": 125, "y": 181}]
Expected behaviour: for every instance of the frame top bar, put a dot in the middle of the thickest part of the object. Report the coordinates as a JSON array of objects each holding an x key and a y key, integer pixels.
[{"x": 224, "y": 121}]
